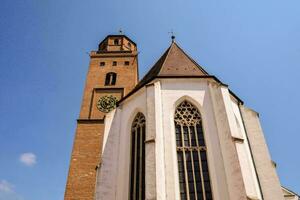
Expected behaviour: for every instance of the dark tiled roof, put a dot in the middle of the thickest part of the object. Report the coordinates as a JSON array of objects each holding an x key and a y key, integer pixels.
[
  {"x": 153, "y": 72},
  {"x": 174, "y": 62}
]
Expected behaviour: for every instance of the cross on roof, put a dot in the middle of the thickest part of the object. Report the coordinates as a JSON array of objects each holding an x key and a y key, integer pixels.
[{"x": 172, "y": 35}]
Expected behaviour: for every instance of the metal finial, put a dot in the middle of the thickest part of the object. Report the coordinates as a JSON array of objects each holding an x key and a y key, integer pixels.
[
  {"x": 173, "y": 38},
  {"x": 172, "y": 35},
  {"x": 120, "y": 31}
]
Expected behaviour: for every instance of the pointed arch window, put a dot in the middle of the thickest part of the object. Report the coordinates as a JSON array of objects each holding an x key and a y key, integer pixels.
[
  {"x": 110, "y": 78},
  {"x": 137, "y": 171},
  {"x": 193, "y": 171}
]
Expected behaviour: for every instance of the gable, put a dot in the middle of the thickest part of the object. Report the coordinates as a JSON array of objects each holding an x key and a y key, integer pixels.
[
  {"x": 174, "y": 62},
  {"x": 178, "y": 63}
]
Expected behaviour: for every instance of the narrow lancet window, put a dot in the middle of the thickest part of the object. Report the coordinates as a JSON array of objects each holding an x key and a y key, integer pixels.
[
  {"x": 194, "y": 181},
  {"x": 137, "y": 172}
]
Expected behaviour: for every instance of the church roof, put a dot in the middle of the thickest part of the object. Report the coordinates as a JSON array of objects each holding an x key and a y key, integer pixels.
[{"x": 174, "y": 62}]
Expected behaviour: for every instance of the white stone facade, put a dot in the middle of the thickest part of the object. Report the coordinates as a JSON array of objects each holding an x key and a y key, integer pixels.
[{"x": 235, "y": 172}]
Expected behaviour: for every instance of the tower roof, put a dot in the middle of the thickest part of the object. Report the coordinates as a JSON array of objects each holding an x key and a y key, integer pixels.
[
  {"x": 120, "y": 35},
  {"x": 174, "y": 62}
]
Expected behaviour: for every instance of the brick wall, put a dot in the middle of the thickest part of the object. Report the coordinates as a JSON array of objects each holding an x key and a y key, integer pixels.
[{"x": 87, "y": 146}]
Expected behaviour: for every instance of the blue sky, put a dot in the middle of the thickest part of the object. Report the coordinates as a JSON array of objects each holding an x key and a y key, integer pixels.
[{"x": 253, "y": 46}]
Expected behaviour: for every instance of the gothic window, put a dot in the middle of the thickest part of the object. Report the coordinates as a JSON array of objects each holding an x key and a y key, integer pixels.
[
  {"x": 102, "y": 64},
  {"x": 194, "y": 181},
  {"x": 137, "y": 171},
  {"x": 114, "y": 63},
  {"x": 110, "y": 78},
  {"x": 126, "y": 62}
]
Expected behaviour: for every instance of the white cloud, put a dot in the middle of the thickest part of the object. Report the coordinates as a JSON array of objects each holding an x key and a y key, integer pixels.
[
  {"x": 28, "y": 159},
  {"x": 6, "y": 186},
  {"x": 7, "y": 191}
]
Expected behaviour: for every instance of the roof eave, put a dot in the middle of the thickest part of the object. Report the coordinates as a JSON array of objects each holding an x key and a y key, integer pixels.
[{"x": 172, "y": 77}]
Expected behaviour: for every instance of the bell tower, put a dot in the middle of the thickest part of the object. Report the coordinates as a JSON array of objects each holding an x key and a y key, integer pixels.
[{"x": 113, "y": 72}]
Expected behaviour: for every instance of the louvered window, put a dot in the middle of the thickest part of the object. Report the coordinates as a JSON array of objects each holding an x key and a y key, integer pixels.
[
  {"x": 194, "y": 181},
  {"x": 137, "y": 174}
]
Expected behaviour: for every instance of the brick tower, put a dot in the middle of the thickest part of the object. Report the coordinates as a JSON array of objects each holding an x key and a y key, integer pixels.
[{"x": 113, "y": 72}]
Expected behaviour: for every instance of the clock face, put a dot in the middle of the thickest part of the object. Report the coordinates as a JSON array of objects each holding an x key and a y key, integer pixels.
[{"x": 107, "y": 103}]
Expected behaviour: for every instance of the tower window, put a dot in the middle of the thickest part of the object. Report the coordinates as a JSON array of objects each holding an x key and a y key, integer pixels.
[
  {"x": 102, "y": 63},
  {"x": 137, "y": 171},
  {"x": 126, "y": 63},
  {"x": 110, "y": 78},
  {"x": 129, "y": 44},
  {"x": 193, "y": 170},
  {"x": 116, "y": 41},
  {"x": 114, "y": 63}
]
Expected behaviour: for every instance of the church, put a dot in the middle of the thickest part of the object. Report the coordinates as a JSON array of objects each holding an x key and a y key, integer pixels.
[{"x": 179, "y": 133}]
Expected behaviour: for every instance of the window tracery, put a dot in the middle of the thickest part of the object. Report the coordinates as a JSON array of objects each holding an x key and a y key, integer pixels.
[
  {"x": 137, "y": 173},
  {"x": 193, "y": 173}
]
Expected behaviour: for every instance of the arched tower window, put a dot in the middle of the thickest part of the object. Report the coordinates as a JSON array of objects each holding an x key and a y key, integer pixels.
[
  {"x": 193, "y": 172},
  {"x": 116, "y": 41},
  {"x": 137, "y": 172},
  {"x": 110, "y": 78}
]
